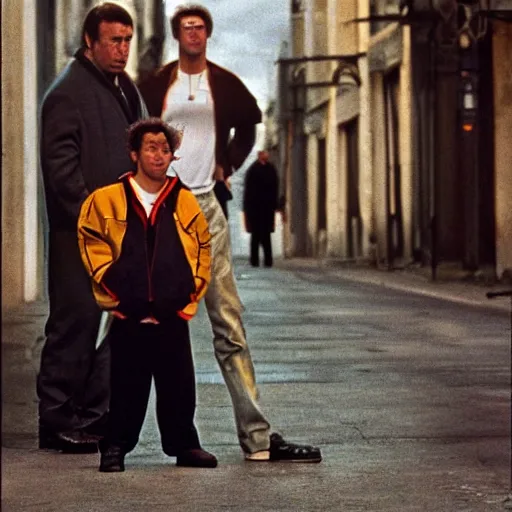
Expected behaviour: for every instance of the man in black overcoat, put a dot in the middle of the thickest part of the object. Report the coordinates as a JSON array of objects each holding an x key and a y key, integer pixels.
[
  {"x": 260, "y": 205},
  {"x": 84, "y": 118}
]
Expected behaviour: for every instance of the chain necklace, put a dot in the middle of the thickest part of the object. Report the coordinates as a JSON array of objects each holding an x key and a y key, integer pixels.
[{"x": 192, "y": 97}]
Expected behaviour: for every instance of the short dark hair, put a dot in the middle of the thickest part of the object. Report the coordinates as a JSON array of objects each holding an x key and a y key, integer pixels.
[
  {"x": 191, "y": 10},
  {"x": 138, "y": 129},
  {"x": 107, "y": 11}
]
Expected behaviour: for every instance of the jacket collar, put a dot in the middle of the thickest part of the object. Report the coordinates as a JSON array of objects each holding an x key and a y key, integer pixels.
[
  {"x": 172, "y": 185},
  {"x": 131, "y": 108},
  {"x": 89, "y": 65},
  {"x": 169, "y": 72}
]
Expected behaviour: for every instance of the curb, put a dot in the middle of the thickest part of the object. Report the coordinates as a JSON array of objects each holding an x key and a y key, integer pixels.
[{"x": 452, "y": 290}]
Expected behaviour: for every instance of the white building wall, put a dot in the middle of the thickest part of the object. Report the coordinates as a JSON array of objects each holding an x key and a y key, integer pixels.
[
  {"x": 19, "y": 154},
  {"x": 30, "y": 151},
  {"x": 366, "y": 169},
  {"x": 333, "y": 172},
  {"x": 405, "y": 119},
  {"x": 378, "y": 175},
  {"x": 366, "y": 192}
]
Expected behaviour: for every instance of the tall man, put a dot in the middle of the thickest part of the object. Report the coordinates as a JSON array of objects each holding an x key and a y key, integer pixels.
[
  {"x": 84, "y": 118},
  {"x": 207, "y": 102}
]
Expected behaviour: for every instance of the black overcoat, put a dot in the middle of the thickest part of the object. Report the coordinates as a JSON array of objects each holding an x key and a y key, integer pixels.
[
  {"x": 83, "y": 137},
  {"x": 260, "y": 197}
]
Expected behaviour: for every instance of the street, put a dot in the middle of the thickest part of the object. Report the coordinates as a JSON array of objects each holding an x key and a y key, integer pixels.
[
  {"x": 407, "y": 394},
  {"x": 381, "y": 131}
]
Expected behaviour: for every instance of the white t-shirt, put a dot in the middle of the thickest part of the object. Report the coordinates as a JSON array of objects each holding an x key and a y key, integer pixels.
[
  {"x": 188, "y": 107},
  {"x": 147, "y": 199}
]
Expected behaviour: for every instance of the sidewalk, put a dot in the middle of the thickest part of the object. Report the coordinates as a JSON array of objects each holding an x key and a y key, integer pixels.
[{"x": 452, "y": 283}]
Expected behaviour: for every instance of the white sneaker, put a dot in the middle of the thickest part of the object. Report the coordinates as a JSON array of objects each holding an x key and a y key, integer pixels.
[{"x": 261, "y": 456}]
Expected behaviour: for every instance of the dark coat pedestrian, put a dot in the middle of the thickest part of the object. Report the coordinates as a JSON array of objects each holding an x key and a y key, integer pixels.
[
  {"x": 260, "y": 205},
  {"x": 84, "y": 118}
]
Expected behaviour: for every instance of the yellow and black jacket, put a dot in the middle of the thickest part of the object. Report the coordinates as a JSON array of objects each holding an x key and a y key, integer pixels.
[{"x": 140, "y": 266}]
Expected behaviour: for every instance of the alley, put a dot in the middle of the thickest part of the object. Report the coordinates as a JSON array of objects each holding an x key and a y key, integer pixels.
[{"x": 406, "y": 394}]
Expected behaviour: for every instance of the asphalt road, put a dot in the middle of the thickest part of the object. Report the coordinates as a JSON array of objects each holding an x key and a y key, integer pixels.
[{"x": 407, "y": 394}]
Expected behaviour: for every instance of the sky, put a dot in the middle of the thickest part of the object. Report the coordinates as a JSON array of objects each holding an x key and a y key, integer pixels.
[{"x": 246, "y": 39}]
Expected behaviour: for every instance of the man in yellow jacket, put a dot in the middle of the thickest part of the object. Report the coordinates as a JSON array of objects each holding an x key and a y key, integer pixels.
[{"x": 146, "y": 246}]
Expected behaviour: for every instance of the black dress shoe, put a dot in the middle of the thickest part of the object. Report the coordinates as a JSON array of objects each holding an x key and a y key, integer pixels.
[
  {"x": 196, "y": 458},
  {"x": 112, "y": 460},
  {"x": 67, "y": 442},
  {"x": 284, "y": 451}
]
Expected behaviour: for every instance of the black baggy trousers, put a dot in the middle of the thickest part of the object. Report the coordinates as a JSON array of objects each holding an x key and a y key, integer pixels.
[
  {"x": 140, "y": 352},
  {"x": 73, "y": 381}
]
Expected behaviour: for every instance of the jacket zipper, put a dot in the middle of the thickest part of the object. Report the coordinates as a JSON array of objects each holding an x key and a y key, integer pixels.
[
  {"x": 150, "y": 221},
  {"x": 151, "y": 266},
  {"x": 148, "y": 267},
  {"x": 141, "y": 212}
]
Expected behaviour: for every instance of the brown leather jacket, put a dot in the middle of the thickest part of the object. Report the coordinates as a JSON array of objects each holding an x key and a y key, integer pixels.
[{"x": 234, "y": 107}]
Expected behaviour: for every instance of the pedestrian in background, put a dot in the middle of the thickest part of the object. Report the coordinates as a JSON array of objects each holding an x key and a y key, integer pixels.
[
  {"x": 209, "y": 102},
  {"x": 84, "y": 118},
  {"x": 261, "y": 189},
  {"x": 148, "y": 217}
]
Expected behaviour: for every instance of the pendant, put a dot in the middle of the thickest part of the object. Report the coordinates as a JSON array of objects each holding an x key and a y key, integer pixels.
[{"x": 191, "y": 97}]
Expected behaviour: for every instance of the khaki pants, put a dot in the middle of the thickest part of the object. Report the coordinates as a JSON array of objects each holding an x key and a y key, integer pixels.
[{"x": 224, "y": 310}]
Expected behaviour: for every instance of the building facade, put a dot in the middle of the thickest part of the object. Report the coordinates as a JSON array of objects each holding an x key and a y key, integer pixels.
[{"x": 392, "y": 119}]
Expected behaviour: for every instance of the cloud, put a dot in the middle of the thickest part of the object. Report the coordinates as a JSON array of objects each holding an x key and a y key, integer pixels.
[{"x": 246, "y": 39}]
